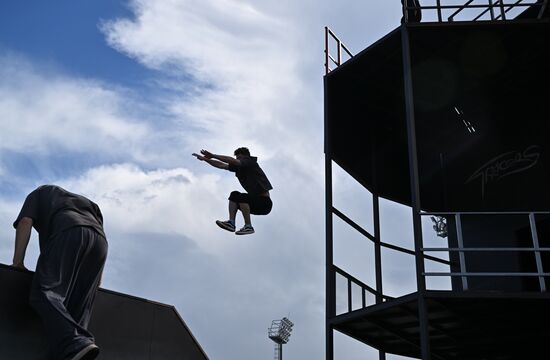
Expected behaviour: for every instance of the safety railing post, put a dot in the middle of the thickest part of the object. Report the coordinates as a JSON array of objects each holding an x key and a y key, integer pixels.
[
  {"x": 439, "y": 16},
  {"x": 461, "y": 256},
  {"x": 339, "y": 44},
  {"x": 327, "y": 66},
  {"x": 536, "y": 247},
  {"x": 350, "y": 299},
  {"x": 543, "y": 7},
  {"x": 502, "y": 11},
  {"x": 491, "y": 10},
  {"x": 377, "y": 247}
]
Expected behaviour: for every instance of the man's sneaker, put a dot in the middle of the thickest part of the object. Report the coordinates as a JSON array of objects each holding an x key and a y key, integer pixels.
[
  {"x": 89, "y": 352},
  {"x": 247, "y": 229},
  {"x": 226, "y": 225}
]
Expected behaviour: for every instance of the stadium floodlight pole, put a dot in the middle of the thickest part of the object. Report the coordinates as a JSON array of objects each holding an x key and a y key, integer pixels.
[{"x": 279, "y": 332}]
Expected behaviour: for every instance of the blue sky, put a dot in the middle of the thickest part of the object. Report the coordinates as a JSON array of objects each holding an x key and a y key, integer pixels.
[
  {"x": 65, "y": 34},
  {"x": 110, "y": 98}
]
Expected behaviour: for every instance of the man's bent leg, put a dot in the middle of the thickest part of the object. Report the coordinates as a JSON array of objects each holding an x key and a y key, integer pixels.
[
  {"x": 233, "y": 207},
  {"x": 247, "y": 228},
  {"x": 245, "y": 209},
  {"x": 53, "y": 290},
  {"x": 81, "y": 299}
]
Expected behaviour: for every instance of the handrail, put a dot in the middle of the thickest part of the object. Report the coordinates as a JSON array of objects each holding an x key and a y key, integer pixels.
[
  {"x": 485, "y": 249},
  {"x": 364, "y": 287},
  {"x": 489, "y": 7},
  {"x": 450, "y": 18},
  {"x": 329, "y": 34},
  {"x": 490, "y": 274},
  {"x": 461, "y": 249},
  {"x": 463, "y": 273},
  {"x": 509, "y": 8},
  {"x": 342, "y": 44},
  {"x": 355, "y": 280},
  {"x": 447, "y": 213},
  {"x": 369, "y": 236},
  {"x": 502, "y": 12}
]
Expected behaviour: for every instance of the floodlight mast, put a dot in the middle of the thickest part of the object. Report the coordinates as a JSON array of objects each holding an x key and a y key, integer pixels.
[{"x": 279, "y": 332}]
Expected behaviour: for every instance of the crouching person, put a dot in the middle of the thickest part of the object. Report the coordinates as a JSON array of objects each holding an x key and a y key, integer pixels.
[
  {"x": 256, "y": 200},
  {"x": 73, "y": 250}
]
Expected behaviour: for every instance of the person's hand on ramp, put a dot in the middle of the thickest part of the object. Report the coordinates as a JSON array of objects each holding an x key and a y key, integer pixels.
[{"x": 19, "y": 266}]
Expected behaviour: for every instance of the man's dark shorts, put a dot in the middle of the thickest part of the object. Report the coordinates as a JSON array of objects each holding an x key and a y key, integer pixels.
[{"x": 259, "y": 205}]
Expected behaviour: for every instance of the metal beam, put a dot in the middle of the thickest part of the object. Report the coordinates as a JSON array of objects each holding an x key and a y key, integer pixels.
[
  {"x": 415, "y": 191},
  {"x": 330, "y": 276}
]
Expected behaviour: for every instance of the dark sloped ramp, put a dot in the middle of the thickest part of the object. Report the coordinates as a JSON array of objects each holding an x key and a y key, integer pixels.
[{"x": 125, "y": 327}]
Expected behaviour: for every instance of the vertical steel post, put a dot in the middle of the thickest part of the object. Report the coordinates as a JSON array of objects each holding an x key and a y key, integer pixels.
[
  {"x": 536, "y": 246},
  {"x": 327, "y": 66},
  {"x": 491, "y": 10},
  {"x": 377, "y": 237},
  {"x": 461, "y": 256},
  {"x": 339, "y": 43},
  {"x": 542, "y": 9},
  {"x": 350, "y": 307},
  {"x": 378, "y": 257},
  {"x": 439, "y": 17},
  {"x": 502, "y": 12},
  {"x": 377, "y": 247},
  {"x": 415, "y": 193},
  {"x": 330, "y": 275}
]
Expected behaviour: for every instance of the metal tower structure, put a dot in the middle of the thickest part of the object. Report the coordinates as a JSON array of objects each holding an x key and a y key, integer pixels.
[
  {"x": 279, "y": 332},
  {"x": 445, "y": 115}
]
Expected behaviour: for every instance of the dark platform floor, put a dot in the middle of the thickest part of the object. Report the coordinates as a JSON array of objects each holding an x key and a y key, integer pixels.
[{"x": 462, "y": 325}]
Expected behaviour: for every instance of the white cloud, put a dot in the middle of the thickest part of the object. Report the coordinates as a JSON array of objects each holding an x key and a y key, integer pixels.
[
  {"x": 44, "y": 112},
  {"x": 163, "y": 201},
  {"x": 215, "y": 39},
  {"x": 248, "y": 62}
]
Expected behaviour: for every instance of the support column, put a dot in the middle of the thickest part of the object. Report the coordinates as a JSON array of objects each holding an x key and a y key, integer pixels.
[
  {"x": 415, "y": 193},
  {"x": 378, "y": 256},
  {"x": 330, "y": 294}
]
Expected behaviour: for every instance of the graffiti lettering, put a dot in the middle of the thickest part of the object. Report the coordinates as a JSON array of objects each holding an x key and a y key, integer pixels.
[{"x": 506, "y": 164}]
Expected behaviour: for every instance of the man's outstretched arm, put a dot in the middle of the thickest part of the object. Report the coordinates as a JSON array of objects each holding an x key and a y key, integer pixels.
[
  {"x": 22, "y": 236},
  {"x": 224, "y": 158},
  {"x": 213, "y": 162}
]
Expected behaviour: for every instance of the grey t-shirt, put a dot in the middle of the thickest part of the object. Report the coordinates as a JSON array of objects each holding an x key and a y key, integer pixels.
[
  {"x": 251, "y": 176},
  {"x": 54, "y": 210}
]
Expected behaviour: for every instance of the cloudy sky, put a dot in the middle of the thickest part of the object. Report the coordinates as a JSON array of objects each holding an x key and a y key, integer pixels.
[{"x": 110, "y": 98}]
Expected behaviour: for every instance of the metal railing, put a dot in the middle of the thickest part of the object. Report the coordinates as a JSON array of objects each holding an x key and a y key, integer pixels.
[
  {"x": 351, "y": 280},
  {"x": 337, "y": 59},
  {"x": 496, "y": 9},
  {"x": 461, "y": 249},
  {"x": 365, "y": 289}
]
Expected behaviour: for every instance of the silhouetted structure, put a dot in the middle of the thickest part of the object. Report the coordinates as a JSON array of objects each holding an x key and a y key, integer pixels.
[
  {"x": 126, "y": 327},
  {"x": 448, "y": 117},
  {"x": 279, "y": 332}
]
